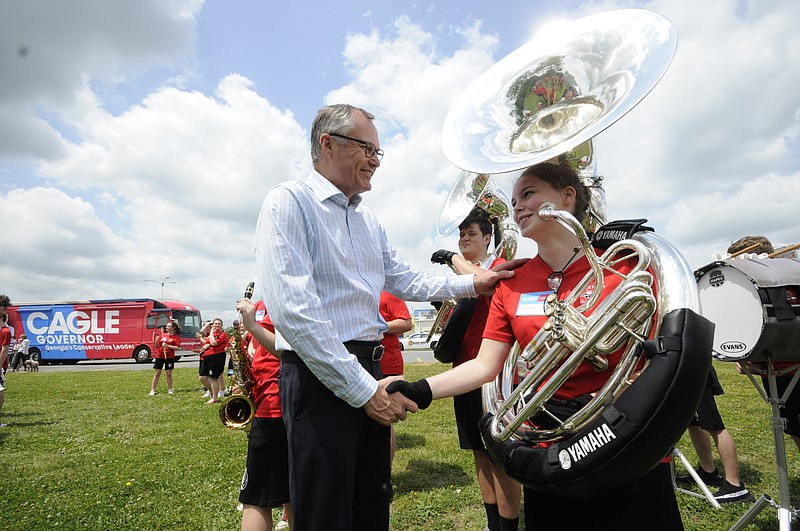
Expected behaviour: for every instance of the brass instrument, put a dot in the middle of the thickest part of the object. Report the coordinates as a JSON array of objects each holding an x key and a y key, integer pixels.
[
  {"x": 545, "y": 102},
  {"x": 237, "y": 410}
]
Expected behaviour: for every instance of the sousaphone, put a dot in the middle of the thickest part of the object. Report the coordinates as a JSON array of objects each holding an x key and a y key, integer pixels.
[{"x": 545, "y": 102}]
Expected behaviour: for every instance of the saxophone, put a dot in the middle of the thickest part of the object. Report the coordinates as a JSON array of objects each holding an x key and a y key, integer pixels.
[{"x": 237, "y": 410}]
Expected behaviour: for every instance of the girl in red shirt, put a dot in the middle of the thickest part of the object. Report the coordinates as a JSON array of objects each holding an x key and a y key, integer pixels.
[
  {"x": 212, "y": 362},
  {"x": 164, "y": 356},
  {"x": 265, "y": 483},
  {"x": 395, "y": 312},
  {"x": 517, "y": 314}
]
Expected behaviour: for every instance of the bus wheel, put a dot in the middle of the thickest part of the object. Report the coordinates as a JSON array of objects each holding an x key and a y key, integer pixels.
[
  {"x": 35, "y": 355},
  {"x": 142, "y": 354}
]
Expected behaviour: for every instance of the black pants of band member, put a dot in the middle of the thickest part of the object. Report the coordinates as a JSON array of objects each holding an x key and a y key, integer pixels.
[
  {"x": 646, "y": 503},
  {"x": 339, "y": 469}
]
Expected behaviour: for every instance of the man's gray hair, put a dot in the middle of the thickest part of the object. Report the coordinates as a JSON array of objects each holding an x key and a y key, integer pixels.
[{"x": 336, "y": 118}]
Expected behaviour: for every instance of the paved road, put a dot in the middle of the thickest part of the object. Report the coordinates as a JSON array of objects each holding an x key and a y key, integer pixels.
[
  {"x": 116, "y": 365},
  {"x": 409, "y": 356}
]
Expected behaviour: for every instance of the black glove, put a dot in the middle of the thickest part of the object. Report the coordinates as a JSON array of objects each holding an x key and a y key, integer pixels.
[
  {"x": 419, "y": 391},
  {"x": 443, "y": 256}
]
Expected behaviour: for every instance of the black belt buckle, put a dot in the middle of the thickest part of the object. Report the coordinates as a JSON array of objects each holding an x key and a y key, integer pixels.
[{"x": 377, "y": 353}]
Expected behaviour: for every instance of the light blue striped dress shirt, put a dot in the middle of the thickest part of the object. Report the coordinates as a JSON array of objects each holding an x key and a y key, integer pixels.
[{"x": 323, "y": 262}]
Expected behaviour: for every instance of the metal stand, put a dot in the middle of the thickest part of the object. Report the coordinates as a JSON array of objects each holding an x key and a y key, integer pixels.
[
  {"x": 785, "y": 512},
  {"x": 707, "y": 494}
]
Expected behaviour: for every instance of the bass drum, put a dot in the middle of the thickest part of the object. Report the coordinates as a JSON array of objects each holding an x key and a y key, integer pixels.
[{"x": 753, "y": 304}]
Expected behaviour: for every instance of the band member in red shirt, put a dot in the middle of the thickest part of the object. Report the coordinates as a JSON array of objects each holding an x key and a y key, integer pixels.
[
  {"x": 501, "y": 495},
  {"x": 5, "y": 341},
  {"x": 516, "y": 315},
  {"x": 212, "y": 360},
  {"x": 395, "y": 312},
  {"x": 164, "y": 356}
]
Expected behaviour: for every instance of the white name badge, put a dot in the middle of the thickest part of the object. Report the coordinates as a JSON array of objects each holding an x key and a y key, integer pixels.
[{"x": 532, "y": 303}]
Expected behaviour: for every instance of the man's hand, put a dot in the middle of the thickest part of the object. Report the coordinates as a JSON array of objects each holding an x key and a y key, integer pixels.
[
  {"x": 248, "y": 311},
  {"x": 485, "y": 282},
  {"x": 385, "y": 408}
]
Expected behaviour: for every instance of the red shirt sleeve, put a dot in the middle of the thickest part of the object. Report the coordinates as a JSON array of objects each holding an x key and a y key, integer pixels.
[{"x": 471, "y": 343}]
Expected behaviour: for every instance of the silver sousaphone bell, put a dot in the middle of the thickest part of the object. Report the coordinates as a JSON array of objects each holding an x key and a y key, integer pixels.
[
  {"x": 472, "y": 191},
  {"x": 550, "y": 97},
  {"x": 562, "y": 88}
]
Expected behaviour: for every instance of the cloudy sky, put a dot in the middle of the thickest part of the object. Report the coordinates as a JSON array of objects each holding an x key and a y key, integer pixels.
[{"x": 138, "y": 138}]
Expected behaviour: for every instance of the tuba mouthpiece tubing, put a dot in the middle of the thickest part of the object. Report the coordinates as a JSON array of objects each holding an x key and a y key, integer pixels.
[{"x": 545, "y": 211}]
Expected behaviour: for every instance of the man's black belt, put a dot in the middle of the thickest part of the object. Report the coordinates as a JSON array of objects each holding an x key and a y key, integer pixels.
[{"x": 372, "y": 350}]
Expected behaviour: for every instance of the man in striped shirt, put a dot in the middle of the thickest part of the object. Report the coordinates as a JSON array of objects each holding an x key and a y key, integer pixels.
[{"x": 323, "y": 259}]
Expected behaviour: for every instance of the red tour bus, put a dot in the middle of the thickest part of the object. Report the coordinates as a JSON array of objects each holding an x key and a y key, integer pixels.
[{"x": 70, "y": 331}]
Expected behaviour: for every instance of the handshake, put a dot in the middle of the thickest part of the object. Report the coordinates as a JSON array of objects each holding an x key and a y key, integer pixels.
[
  {"x": 419, "y": 391},
  {"x": 396, "y": 397}
]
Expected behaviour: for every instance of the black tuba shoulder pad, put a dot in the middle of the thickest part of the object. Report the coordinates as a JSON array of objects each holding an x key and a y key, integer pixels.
[{"x": 618, "y": 230}]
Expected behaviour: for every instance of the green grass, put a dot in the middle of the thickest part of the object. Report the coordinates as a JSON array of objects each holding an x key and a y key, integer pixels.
[{"x": 90, "y": 450}]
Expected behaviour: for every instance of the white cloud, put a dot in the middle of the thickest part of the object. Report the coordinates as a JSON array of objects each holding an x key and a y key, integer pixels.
[
  {"x": 409, "y": 85},
  {"x": 50, "y": 48},
  {"x": 184, "y": 175},
  {"x": 719, "y": 122}
]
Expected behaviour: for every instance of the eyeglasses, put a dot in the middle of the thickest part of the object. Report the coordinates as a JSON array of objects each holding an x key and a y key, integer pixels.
[{"x": 369, "y": 148}]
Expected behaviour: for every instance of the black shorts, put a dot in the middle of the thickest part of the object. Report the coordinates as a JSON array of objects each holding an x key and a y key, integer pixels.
[
  {"x": 213, "y": 365},
  {"x": 265, "y": 482},
  {"x": 646, "y": 503},
  {"x": 707, "y": 416},
  {"x": 791, "y": 409},
  {"x": 469, "y": 411},
  {"x": 161, "y": 363}
]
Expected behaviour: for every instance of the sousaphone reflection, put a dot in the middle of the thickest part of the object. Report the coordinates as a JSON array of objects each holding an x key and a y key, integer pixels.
[{"x": 545, "y": 102}]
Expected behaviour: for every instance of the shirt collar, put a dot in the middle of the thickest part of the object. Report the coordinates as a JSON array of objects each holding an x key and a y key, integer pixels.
[{"x": 324, "y": 189}]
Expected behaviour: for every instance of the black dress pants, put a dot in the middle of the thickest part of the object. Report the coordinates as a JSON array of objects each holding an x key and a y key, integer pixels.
[{"x": 339, "y": 468}]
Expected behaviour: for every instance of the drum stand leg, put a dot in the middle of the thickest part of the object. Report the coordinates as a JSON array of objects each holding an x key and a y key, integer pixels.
[
  {"x": 785, "y": 512},
  {"x": 707, "y": 494}
]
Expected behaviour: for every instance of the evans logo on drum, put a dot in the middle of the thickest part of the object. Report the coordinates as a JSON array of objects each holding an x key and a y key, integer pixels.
[
  {"x": 716, "y": 278},
  {"x": 733, "y": 347}
]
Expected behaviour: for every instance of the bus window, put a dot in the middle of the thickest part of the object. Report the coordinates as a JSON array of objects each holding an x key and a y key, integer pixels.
[
  {"x": 157, "y": 319},
  {"x": 189, "y": 321}
]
